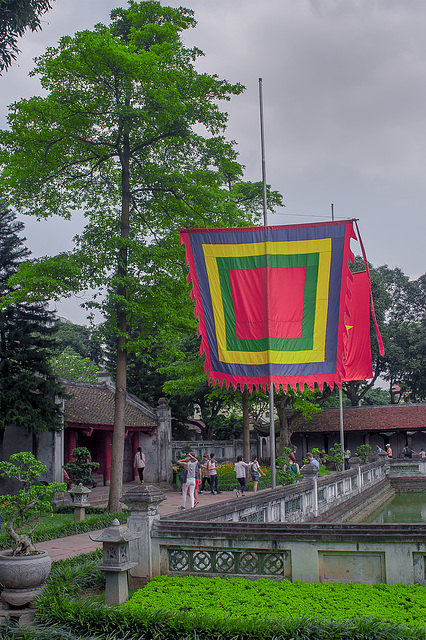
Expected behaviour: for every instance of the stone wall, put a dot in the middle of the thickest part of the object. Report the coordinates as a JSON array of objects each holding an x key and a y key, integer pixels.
[
  {"x": 278, "y": 534},
  {"x": 308, "y": 552}
]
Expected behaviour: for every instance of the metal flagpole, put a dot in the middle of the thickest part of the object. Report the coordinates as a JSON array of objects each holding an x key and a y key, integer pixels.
[
  {"x": 265, "y": 222},
  {"x": 342, "y": 434}
]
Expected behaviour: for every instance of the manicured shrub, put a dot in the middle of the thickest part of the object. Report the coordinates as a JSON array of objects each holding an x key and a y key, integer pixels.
[{"x": 237, "y": 598}]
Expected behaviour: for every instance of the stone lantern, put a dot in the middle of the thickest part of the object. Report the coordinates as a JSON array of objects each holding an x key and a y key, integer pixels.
[
  {"x": 115, "y": 562},
  {"x": 79, "y": 497}
]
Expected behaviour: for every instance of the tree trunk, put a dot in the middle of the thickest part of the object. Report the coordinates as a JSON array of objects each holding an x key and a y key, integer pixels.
[
  {"x": 118, "y": 438},
  {"x": 285, "y": 431}
]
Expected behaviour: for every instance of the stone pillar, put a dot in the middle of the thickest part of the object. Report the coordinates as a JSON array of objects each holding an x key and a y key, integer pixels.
[
  {"x": 143, "y": 501},
  {"x": 309, "y": 473},
  {"x": 355, "y": 463},
  {"x": 164, "y": 441},
  {"x": 115, "y": 542}
]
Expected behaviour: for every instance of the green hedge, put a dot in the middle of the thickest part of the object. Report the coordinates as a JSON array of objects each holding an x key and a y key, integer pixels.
[
  {"x": 60, "y": 608},
  {"x": 237, "y": 598},
  {"x": 61, "y": 614}
]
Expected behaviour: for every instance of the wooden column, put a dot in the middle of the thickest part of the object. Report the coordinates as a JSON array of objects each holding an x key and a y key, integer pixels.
[
  {"x": 107, "y": 457},
  {"x": 71, "y": 444}
]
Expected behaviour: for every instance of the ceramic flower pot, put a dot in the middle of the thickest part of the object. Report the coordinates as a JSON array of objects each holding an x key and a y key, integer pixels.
[{"x": 23, "y": 576}]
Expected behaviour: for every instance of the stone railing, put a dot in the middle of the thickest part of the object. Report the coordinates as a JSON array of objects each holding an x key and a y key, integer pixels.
[
  {"x": 407, "y": 467},
  {"x": 300, "y": 502},
  {"x": 232, "y": 539},
  {"x": 308, "y": 551}
]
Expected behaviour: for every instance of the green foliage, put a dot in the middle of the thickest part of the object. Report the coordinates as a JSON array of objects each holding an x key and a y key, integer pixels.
[
  {"x": 319, "y": 454},
  {"x": 117, "y": 133},
  {"x": 80, "y": 469},
  {"x": 376, "y": 396},
  {"x": 228, "y": 482},
  {"x": 15, "y": 17},
  {"x": 68, "y": 366},
  {"x": 234, "y": 609},
  {"x": 73, "y": 575},
  {"x": 27, "y": 384},
  {"x": 80, "y": 340},
  {"x": 284, "y": 476},
  {"x": 62, "y": 525},
  {"x": 335, "y": 456},
  {"x": 227, "y": 427},
  {"x": 265, "y": 599},
  {"x": 189, "y": 390},
  {"x": 22, "y": 511},
  {"x": 364, "y": 451}
]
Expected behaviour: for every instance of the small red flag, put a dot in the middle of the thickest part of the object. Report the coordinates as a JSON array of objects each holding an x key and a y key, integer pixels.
[{"x": 357, "y": 360}]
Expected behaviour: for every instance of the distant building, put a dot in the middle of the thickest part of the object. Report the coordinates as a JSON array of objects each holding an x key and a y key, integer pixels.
[
  {"x": 396, "y": 424},
  {"x": 89, "y": 422}
]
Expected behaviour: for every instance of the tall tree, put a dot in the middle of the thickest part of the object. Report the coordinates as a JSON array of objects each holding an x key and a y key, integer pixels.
[
  {"x": 118, "y": 134},
  {"x": 15, "y": 17},
  {"x": 27, "y": 385}
]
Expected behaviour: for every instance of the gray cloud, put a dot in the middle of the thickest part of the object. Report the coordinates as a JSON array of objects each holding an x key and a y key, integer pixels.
[{"x": 344, "y": 97}]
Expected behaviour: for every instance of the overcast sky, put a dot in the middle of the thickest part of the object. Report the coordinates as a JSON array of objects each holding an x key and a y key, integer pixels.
[{"x": 344, "y": 104}]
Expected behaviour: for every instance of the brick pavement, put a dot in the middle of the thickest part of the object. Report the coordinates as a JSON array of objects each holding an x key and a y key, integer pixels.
[{"x": 70, "y": 546}]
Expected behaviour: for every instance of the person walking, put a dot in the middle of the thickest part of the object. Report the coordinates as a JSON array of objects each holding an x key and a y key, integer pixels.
[
  {"x": 189, "y": 464},
  {"x": 139, "y": 463},
  {"x": 240, "y": 471},
  {"x": 388, "y": 450},
  {"x": 213, "y": 467},
  {"x": 256, "y": 471},
  {"x": 206, "y": 473}
]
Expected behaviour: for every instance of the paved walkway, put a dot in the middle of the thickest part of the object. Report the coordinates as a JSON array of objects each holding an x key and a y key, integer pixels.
[{"x": 70, "y": 546}]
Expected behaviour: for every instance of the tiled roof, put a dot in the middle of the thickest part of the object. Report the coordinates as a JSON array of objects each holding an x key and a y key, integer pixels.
[
  {"x": 392, "y": 417},
  {"x": 91, "y": 403}
]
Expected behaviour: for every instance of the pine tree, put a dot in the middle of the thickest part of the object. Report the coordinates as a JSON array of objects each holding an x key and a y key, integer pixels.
[{"x": 27, "y": 386}]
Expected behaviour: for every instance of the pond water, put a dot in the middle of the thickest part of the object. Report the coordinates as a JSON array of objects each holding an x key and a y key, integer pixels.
[{"x": 403, "y": 507}]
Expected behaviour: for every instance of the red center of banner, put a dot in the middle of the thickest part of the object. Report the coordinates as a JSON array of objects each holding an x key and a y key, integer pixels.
[{"x": 268, "y": 302}]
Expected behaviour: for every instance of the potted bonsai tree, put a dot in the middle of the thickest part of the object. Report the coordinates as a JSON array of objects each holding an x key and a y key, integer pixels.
[
  {"x": 80, "y": 469},
  {"x": 22, "y": 568}
]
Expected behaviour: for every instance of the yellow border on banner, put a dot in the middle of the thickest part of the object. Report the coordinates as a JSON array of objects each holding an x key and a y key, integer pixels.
[{"x": 317, "y": 353}]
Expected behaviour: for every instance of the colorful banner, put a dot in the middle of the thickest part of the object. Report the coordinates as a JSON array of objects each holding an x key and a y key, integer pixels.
[{"x": 272, "y": 302}]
